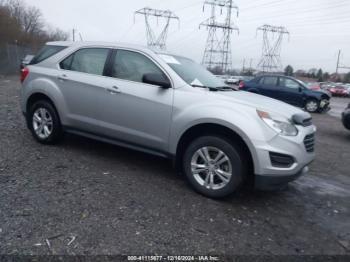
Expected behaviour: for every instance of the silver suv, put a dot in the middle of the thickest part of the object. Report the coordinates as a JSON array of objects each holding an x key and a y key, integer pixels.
[{"x": 170, "y": 106}]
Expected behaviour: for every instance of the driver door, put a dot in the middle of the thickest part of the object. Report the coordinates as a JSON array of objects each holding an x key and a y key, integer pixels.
[{"x": 131, "y": 110}]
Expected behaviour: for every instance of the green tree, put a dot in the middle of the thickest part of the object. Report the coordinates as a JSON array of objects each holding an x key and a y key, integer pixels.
[
  {"x": 326, "y": 76},
  {"x": 289, "y": 71},
  {"x": 319, "y": 75}
]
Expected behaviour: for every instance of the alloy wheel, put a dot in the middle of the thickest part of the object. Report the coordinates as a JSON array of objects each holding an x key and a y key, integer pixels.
[
  {"x": 211, "y": 168},
  {"x": 42, "y": 123},
  {"x": 311, "y": 106}
]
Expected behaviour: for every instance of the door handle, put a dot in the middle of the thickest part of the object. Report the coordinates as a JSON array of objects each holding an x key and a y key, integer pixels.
[
  {"x": 63, "y": 77},
  {"x": 115, "y": 90}
]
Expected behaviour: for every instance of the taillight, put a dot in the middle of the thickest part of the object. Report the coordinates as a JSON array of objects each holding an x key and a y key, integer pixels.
[
  {"x": 24, "y": 74},
  {"x": 241, "y": 85}
]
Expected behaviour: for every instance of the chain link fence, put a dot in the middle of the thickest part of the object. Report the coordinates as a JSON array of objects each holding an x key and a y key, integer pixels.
[{"x": 11, "y": 56}]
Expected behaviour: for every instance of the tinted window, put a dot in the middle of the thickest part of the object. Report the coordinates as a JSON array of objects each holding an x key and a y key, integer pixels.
[
  {"x": 46, "y": 52},
  {"x": 132, "y": 66},
  {"x": 289, "y": 83},
  {"x": 88, "y": 60},
  {"x": 270, "y": 80}
]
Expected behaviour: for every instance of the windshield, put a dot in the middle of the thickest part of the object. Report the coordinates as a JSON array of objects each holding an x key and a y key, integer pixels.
[{"x": 191, "y": 72}]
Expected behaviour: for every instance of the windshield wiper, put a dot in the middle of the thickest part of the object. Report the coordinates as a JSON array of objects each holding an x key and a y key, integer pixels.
[
  {"x": 225, "y": 88},
  {"x": 201, "y": 86},
  {"x": 218, "y": 88}
]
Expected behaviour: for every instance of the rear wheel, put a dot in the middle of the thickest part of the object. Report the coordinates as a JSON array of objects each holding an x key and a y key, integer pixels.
[
  {"x": 312, "y": 105},
  {"x": 214, "y": 166},
  {"x": 44, "y": 123}
]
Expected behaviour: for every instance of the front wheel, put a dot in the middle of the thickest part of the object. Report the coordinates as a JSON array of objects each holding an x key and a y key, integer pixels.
[
  {"x": 312, "y": 105},
  {"x": 213, "y": 166}
]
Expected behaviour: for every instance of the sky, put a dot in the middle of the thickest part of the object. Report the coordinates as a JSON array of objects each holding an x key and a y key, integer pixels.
[{"x": 318, "y": 28}]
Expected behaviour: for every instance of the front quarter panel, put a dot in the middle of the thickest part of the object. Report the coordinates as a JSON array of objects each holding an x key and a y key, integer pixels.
[{"x": 241, "y": 119}]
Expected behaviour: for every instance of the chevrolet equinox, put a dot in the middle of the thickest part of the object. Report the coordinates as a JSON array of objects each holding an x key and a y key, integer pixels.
[{"x": 170, "y": 106}]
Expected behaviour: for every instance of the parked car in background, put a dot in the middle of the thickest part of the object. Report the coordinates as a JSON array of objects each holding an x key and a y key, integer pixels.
[
  {"x": 232, "y": 80},
  {"x": 289, "y": 90},
  {"x": 346, "y": 117},
  {"x": 169, "y": 106},
  {"x": 313, "y": 86},
  {"x": 318, "y": 87},
  {"x": 347, "y": 86},
  {"x": 339, "y": 90}
]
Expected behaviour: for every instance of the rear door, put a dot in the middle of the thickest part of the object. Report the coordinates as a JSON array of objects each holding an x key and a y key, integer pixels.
[
  {"x": 81, "y": 82},
  {"x": 291, "y": 92}
]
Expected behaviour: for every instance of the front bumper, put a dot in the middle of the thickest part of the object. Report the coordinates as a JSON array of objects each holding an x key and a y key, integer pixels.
[
  {"x": 269, "y": 183},
  {"x": 324, "y": 105},
  {"x": 268, "y": 174}
]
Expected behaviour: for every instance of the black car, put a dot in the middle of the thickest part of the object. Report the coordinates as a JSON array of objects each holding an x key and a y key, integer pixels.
[
  {"x": 346, "y": 117},
  {"x": 289, "y": 90}
]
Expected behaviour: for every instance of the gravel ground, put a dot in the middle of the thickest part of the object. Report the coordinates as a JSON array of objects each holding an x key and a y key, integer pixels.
[{"x": 90, "y": 198}]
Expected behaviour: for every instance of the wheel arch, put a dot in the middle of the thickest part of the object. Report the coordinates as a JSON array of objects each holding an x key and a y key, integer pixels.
[
  {"x": 35, "y": 97},
  {"x": 212, "y": 129},
  {"x": 38, "y": 96}
]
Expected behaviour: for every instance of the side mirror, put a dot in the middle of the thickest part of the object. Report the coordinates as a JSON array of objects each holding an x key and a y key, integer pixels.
[
  {"x": 301, "y": 89},
  {"x": 157, "y": 80}
]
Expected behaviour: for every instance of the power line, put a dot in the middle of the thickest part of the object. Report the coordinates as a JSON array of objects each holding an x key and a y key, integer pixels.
[
  {"x": 217, "y": 54},
  {"x": 338, "y": 64},
  {"x": 271, "y": 52},
  {"x": 293, "y": 12},
  {"x": 166, "y": 15}
]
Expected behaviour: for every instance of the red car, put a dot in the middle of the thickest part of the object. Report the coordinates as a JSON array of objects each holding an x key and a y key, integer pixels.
[
  {"x": 314, "y": 86},
  {"x": 339, "y": 91}
]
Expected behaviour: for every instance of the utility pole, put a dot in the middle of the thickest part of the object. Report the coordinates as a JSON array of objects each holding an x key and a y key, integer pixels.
[
  {"x": 73, "y": 32},
  {"x": 271, "y": 52},
  {"x": 338, "y": 63},
  {"x": 243, "y": 68},
  {"x": 218, "y": 54},
  {"x": 167, "y": 15}
]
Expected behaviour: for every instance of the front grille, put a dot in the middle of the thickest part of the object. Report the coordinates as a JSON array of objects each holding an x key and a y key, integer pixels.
[
  {"x": 309, "y": 143},
  {"x": 281, "y": 160}
]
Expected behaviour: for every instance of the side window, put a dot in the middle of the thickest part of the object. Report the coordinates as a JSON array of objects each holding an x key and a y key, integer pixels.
[
  {"x": 132, "y": 66},
  {"x": 270, "y": 80},
  {"x": 289, "y": 83},
  {"x": 87, "y": 60},
  {"x": 45, "y": 53}
]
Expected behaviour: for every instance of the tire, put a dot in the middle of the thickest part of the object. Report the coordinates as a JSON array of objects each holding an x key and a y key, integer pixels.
[
  {"x": 49, "y": 130},
  {"x": 312, "y": 105},
  {"x": 201, "y": 180},
  {"x": 346, "y": 120}
]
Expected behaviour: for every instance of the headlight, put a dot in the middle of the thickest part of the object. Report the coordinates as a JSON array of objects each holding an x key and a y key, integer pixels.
[{"x": 280, "y": 125}]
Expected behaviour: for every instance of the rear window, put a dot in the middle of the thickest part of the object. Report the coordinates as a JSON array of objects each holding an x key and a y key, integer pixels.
[{"x": 46, "y": 52}]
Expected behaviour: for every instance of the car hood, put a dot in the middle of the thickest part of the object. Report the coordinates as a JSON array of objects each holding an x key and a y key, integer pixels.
[
  {"x": 259, "y": 102},
  {"x": 319, "y": 92}
]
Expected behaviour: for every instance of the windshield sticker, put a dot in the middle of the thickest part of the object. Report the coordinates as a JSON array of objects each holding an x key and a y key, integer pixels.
[
  {"x": 169, "y": 59},
  {"x": 197, "y": 82}
]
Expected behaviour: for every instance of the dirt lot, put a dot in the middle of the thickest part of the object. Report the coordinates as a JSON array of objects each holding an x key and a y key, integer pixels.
[{"x": 87, "y": 197}]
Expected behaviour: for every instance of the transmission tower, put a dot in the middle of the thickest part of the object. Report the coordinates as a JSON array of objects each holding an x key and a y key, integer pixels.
[
  {"x": 152, "y": 39},
  {"x": 218, "y": 54},
  {"x": 271, "y": 51}
]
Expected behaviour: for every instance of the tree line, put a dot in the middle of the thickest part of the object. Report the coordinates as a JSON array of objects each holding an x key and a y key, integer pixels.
[
  {"x": 318, "y": 75},
  {"x": 24, "y": 25}
]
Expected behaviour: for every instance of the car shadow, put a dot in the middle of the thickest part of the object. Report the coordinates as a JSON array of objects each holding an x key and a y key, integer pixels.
[{"x": 161, "y": 168}]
